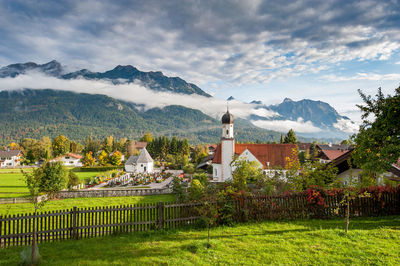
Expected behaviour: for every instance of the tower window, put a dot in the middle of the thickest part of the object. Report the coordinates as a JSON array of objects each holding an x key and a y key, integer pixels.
[{"x": 227, "y": 132}]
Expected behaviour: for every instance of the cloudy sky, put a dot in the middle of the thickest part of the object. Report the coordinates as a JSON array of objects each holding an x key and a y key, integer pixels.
[{"x": 253, "y": 50}]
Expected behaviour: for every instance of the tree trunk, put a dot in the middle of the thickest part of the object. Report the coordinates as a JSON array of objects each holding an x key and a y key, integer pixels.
[
  {"x": 208, "y": 238},
  {"x": 33, "y": 254},
  {"x": 347, "y": 215}
]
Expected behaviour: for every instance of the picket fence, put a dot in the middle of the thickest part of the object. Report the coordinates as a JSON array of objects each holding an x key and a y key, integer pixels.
[{"x": 76, "y": 223}]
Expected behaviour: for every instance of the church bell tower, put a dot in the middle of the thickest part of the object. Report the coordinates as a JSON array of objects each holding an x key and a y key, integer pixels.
[{"x": 227, "y": 146}]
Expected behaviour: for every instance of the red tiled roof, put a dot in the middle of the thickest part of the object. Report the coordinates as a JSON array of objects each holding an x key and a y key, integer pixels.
[
  {"x": 275, "y": 154},
  {"x": 9, "y": 153},
  {"x": 140, "y": 145},
  {"x": 333, "y": 154},
  {"x": 73, "y": 155},
  {"x": 217, "y": 155}
]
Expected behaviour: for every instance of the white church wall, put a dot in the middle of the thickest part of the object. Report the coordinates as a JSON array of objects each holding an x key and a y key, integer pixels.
[
  {"x": 228, "y": 150},
  {"x": 217, "y": 172},
  {"x": 248, "y": 156}
]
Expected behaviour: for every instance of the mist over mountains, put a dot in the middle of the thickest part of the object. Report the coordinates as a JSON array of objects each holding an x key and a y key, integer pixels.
[{"x": 149, "y": 101}]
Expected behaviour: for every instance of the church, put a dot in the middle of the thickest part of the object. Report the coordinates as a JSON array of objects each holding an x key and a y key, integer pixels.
[{"x": 269, "y": 157}]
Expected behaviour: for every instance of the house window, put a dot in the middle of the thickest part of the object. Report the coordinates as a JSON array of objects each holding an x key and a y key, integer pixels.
[
  {"x": 215, "y": 172},
  {"x": 141, "y": 165},
  {"x": 66, "y": 157},
  {"x": 71, "y": 162}
]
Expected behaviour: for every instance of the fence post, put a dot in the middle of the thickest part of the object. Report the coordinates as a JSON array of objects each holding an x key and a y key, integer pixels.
[
  {"x": 74, "y": 226},
  {"x": 160, "y": 215},
  {"x": 1, "y": 231}
]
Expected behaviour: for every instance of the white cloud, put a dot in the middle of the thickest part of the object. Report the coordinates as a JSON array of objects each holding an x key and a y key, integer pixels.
[
  {"x": 363, "y": 76},
  {"x": 347, "y": 126},
  {"x": 132, "y": 92},
  {"x": 285, "y": 125},
  {"x": 187, "y": 41}
]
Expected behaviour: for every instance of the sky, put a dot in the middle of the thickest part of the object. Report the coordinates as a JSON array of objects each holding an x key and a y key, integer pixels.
[{"x": 251, "y": 50}]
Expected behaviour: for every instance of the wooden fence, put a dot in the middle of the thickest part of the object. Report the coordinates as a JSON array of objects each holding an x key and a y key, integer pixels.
[{"x": 79, "y": 223}]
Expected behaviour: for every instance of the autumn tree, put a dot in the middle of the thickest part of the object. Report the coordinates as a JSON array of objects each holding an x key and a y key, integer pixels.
[
  {"x": 88, "y": 160},
  {"x": 199, "y": 153},
  {"x": 108, "y": 144},
  {"x": 148, "y": 137},
  {"x": 131, "y": 147},
  {"x": 115, "y": 158},
  {"x": 120, "y": 145},
  {"x": 378, "y": 141},
  {"x": 103, "y": 158},
  {"x": 60, "y": 145}
]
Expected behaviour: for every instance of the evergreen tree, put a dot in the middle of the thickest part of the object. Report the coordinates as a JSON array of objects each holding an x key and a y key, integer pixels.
[
  {"x": 92, "y": 145},
  {"x": 185, "y": 147},
  {"x": 174, "y": 146},
  {"x": 290, "y": 137}
]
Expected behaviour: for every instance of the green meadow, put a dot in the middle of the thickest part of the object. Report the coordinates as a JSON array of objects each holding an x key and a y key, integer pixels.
[
  {"x": 12, "y": 184},
  {"x": 20, "y": 208},
  {"x": 370, "y": 241}
]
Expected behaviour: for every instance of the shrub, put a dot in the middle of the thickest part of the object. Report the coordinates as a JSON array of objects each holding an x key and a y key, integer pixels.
[{"x": 73, "y": 179}]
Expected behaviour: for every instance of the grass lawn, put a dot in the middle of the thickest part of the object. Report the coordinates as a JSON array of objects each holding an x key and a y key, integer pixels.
[
  {"x": 7, "y": 209},
  {"x": 306, "y": 242},
  {"x": 12, "y": 184}
]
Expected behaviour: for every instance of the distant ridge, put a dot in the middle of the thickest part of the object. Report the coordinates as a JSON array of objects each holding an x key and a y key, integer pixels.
[{"x": 156, "y": 81}]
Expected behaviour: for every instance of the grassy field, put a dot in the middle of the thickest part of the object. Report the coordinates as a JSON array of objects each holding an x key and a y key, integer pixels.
[
  {"x": 7, "y": 209},
  {"x": 12, "y": 184},
  {"x": 310, "y": 242}
]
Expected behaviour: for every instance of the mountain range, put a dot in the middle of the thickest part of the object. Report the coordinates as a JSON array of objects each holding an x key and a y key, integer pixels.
[{"x": 34, "y": 113}]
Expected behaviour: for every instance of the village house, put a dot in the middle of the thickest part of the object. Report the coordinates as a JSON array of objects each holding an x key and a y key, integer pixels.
[
  {"x": 142, "y": 163},
  {"x": 69, "y": 159},
  {"x": 10, "y": 158},
  {"x": 347, "y": 173},
  {"x": 270, "y": 157},
  {"x": 330, "y": 152}
]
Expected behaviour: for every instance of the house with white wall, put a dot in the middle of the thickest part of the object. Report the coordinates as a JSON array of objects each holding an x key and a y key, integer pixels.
[
  {"x": 142, "y": 163},
  {"x": 10, "y": 158},
  {"x": 69, "y": 159}
]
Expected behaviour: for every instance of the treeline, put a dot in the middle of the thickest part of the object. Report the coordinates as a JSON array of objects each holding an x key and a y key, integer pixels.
[
  {"x": 107, "y": 151},
  {"x": 160, "y": 147}
]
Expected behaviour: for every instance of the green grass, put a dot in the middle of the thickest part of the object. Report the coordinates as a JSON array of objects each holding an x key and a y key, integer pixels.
[
  {"x": 311, "y": 242},
  {"x": 14, "y": 170},
  {"x": 10, "y": 209},
  {"x": 12, "y": 184},
  {"x": 83, "y": 175}
]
